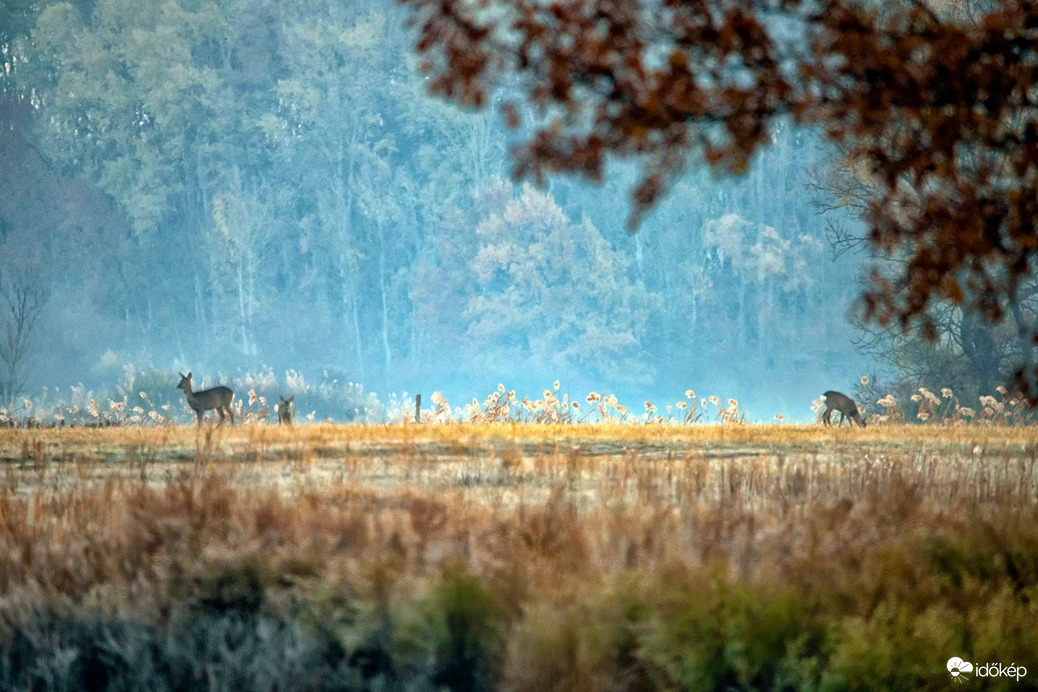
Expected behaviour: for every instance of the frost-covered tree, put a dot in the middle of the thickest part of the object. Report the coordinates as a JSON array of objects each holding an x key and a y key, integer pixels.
[{"x": 553, "y": 292}]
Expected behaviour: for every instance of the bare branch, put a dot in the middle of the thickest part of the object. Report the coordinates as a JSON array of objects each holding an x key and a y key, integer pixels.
[{"x": 22, "y": 300}]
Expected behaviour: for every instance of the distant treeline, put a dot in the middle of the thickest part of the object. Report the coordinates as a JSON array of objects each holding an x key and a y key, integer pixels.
[{"x": 232, "y": 185}]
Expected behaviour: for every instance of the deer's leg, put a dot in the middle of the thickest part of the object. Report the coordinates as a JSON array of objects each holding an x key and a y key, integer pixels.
[
  {"x": 219, "y": 409},
  {"x": 230, "y": 412},
  {"x": 198, "y": 412},
  {"x": 826, "y": 416}
]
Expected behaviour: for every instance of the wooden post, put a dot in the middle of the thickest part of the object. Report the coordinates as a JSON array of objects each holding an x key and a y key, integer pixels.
[{"x": 417, "y": 408}]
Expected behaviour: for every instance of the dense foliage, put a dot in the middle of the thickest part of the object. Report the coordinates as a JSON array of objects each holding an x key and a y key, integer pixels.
[
  {"x": 226, "y": 186},
  {"x": 933, "y": 102}
]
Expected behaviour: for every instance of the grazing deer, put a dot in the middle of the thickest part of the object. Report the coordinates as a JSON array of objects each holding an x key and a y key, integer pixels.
[
  {"x": 286, "y": 411},
  {"x": 218, "y": 398},
  {"x": 837, "y": 401}
]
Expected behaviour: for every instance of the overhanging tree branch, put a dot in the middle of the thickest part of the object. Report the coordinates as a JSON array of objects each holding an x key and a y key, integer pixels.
[{"x": 939, "y": 110}]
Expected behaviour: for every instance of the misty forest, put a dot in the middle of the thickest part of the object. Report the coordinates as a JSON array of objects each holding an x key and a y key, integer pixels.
[
  {"x": 268, "y": 191},
  {"x": 269, "y": 188},
  {"x": 479, "y": 345}
]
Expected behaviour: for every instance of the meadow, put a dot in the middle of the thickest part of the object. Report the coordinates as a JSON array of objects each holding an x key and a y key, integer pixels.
[{"x": 516, "y": 556}]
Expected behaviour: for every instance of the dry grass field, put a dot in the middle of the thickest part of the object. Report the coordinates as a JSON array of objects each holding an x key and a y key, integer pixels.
[{"x": 516, "y": 556}]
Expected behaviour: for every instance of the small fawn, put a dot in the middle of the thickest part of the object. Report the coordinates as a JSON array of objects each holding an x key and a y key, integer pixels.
[
  {"x": 218, "y": 398},
  {"x": 286, "y": 411}
]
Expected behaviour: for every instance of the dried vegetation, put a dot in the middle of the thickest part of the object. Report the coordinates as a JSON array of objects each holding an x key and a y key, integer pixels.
[{"x": 519, "y": 557}]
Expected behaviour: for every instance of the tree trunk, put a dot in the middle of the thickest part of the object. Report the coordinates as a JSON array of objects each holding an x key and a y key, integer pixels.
[
  {"x": 357, "y": 336},
  {"x": 385, "y": 303},
  {"x": 1025, "y": 333},
  {"x": 241, "y": 311}
]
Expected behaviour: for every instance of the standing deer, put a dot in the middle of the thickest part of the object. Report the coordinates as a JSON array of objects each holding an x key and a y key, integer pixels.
[
  {"x": 837, "y": 401},
  {"x": 286, "y": 411},
  {"x": 218, "y": 398}
]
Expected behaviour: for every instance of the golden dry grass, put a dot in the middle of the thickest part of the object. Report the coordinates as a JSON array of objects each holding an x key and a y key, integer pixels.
[
  {"x": 385, "y": 538},
  {"x": 486, "y": 461}
]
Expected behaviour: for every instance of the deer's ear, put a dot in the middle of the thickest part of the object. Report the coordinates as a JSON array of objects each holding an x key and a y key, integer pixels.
[
  {"x": 181, "y": 375},
  {"x": 189, "y": 376},
  {"x": 291, "y": 398}
]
